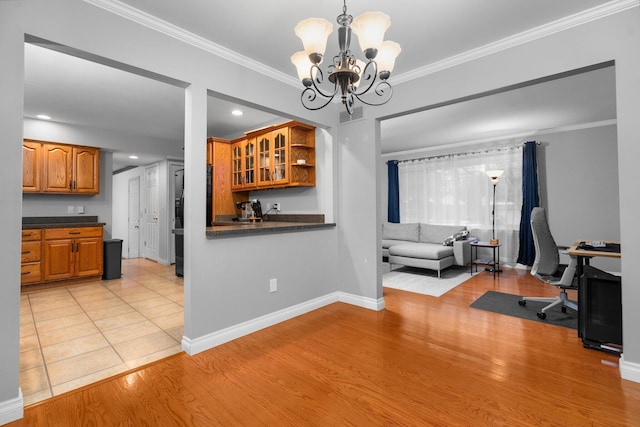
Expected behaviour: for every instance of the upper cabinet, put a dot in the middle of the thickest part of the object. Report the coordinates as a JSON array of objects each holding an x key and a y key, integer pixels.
[
  {"x": 31, "y": 166},
  {"x": 243, "y": 164},
  {"x": 60, "y": 168},
  {"x": 275, "y": 157}
]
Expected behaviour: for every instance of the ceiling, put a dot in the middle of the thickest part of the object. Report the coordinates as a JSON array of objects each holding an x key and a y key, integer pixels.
[{"x": 80, "y": 92}]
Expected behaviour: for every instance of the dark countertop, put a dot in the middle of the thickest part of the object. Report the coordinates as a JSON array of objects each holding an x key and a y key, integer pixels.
[
  {"x": 268, "y": 227},
  {"x": 224, "y": 226},
  {"x": 60, "y": 222}
]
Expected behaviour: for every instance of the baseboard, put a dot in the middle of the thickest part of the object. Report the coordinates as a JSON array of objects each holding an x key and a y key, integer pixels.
[
  {"x": 206, "y": 342},
  {"x": 357, "y": 300},
  {"x": 11, "y": 410},
  {"x": 629, "y": 370}
]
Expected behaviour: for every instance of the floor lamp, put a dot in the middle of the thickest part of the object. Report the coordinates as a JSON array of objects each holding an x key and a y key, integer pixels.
[{"x": 494, "y": 175}]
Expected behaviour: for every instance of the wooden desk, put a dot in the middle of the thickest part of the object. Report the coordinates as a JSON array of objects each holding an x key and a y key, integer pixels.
[{"x": 584, "y": 255}]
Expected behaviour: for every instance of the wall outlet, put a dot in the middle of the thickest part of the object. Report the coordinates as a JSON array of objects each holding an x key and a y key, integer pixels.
[
  {"x": 273, "y": 285},
  {"x": 276, "y": 206},
  {"x": 69, "y": 209}
]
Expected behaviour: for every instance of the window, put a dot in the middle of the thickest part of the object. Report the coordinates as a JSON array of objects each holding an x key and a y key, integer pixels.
[{"x": 454, "y": 190}]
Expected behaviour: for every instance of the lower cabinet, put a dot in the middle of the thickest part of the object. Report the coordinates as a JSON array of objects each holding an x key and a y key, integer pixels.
[
  {"x": 67, "y": 253},
  {"x": 31, "y": 257}
]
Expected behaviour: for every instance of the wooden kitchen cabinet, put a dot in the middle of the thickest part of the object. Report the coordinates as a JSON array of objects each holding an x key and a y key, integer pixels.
[
  {"x": 31, "y": 256},
  {"x": 72, "y": 252},
  {"x": 31, "y": 166},
  {"x": 60, "y": 168},
  {"x": 243, "y": 164},
  {"x": 284, "y": 157}
]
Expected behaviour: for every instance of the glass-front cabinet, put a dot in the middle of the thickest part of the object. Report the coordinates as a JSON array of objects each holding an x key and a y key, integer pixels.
[
  {"x": 274, "y": 157},
  {"x": 243, "y": 169}
]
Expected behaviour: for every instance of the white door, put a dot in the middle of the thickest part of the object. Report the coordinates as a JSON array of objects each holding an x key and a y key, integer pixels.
[
  {"x": 133, "y": 238},
  {"x": 151, "y": 212}
]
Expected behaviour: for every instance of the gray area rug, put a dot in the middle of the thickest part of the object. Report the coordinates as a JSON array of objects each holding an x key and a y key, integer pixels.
[
  {"x": 499, "y": 302},
  {"x": 424, "y": 281}
]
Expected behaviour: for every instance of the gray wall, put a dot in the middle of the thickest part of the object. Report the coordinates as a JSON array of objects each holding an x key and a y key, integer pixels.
[{"x": 579, "y": 187}]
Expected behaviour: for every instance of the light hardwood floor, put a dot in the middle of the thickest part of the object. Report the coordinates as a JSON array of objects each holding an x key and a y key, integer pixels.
[{"x": 421, "y": 361}]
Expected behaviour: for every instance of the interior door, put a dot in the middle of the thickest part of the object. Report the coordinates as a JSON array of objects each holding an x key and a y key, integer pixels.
[
  {"x": 133, "y": 235},
  {"x": 151, "y": 214}
]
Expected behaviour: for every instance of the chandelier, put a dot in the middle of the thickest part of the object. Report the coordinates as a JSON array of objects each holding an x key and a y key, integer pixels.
[{"x": 350, "y": 76}]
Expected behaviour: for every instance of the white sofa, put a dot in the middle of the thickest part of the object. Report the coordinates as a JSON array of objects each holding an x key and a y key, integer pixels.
[{"x": 435, "y": 247}]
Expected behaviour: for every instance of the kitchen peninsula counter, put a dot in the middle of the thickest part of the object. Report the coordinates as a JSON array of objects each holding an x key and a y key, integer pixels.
[{"x": 226, "y": 227}]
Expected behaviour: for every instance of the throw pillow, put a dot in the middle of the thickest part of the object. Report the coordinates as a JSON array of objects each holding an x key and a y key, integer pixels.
[{"x": 460, "y": 235}]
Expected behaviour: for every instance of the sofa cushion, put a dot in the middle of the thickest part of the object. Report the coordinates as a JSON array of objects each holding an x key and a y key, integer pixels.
[
  {"x": 422, "y": 250},
  {"x": 387, "y": 243},
  {"x": 430, "y": 233},
  {"x": 408, "y": 232}
]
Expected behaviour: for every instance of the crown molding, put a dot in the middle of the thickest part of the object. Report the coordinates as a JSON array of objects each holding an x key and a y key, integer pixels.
[
  {"x": 125, "y": 11},
  {"x": 571, "y": 21},
  {"x": 519, "y": 135},
  {"x": 150, "y": 21}
]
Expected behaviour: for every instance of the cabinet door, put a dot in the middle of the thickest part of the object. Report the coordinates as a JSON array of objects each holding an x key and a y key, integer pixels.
[
  {"x": 86, "y": 170},
  {"x": 58, "y": 259},
  {"x": 57, "y": 168},
  {"x": 31, "y": 166},
  {"x": 236, "y": 165},
  {"x": 249, "y": 163},
  {"x": 280, "y": 169},
  {"x": 88, "y": 257},
  {"x": 265, "y": 153}
]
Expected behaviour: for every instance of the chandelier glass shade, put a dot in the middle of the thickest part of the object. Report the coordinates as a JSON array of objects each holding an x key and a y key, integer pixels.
[{"x": 351, "y": 77}]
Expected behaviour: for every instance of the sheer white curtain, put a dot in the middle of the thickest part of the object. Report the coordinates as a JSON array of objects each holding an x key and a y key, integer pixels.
[{"x": 455, "y": 190}]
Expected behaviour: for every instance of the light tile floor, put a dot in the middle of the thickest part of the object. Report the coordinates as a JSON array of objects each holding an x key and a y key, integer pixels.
[{"x": 75, "y": 335}]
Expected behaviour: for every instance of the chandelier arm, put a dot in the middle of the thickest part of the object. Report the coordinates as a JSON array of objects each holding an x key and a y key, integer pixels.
[
  {"x": 368, "y": 75},
  {"x": 309, "y": 96},
  {"x": 319, "y": 79},
  {"x": 383, "y": 89}
]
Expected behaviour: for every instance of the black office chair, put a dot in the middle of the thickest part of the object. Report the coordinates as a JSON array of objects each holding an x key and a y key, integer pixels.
[{"x": 547, "y": 268}]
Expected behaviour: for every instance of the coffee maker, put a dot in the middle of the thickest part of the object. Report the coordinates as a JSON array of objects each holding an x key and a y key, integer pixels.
[{"x": 251, "y": 210}]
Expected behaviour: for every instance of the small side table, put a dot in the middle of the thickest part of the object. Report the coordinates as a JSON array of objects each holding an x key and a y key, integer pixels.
[{"x": 493, "y": 263}]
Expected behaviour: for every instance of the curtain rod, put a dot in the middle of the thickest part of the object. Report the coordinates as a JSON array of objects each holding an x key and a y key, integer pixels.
[{"x": 464, "y": 153}]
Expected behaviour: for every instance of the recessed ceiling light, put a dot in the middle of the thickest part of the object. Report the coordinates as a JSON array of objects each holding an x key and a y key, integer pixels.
[
  {"x": 133, "y": 157},
  {"x": 43, "y": 117},
  {"x": 237, "y": 112}
]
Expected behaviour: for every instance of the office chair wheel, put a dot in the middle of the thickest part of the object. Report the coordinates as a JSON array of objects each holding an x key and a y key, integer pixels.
[
  {"x": 541, "y": 315},
  {"x": 522, "y": 302}
]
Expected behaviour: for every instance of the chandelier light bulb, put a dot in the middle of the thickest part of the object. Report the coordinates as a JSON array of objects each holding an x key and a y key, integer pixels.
[
  {"x": 387, "y": 55},
  {"x": 303, "y": 65},
  {"x": 314, "y": 33},
  {"x": 370, "y": 28}
]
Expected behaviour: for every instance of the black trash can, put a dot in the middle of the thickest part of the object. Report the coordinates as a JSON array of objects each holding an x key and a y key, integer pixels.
[{"x": 112, "y": 265}]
